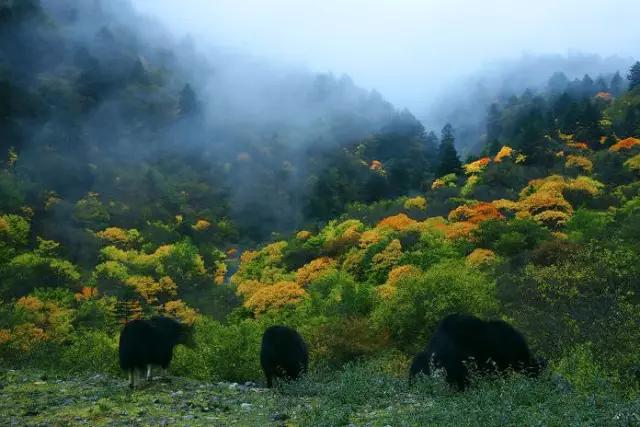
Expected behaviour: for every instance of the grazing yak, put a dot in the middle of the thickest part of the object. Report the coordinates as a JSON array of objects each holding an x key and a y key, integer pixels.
[
  {"x": 493, "y": 346},
  {"x": 283, "y": 354},
  {"x": 147, "y": 343}
]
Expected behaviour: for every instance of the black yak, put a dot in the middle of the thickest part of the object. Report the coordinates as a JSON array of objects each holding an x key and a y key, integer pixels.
[
  {"x": 147, "y": 343},
  {"x": 283, "y": 354},
  {"x": 493, "y": 346}
]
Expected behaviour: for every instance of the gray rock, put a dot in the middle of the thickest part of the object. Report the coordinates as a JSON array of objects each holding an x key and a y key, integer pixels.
[
  {"x": 279, "y": 416},
  {"x": 246, "y": 406}
]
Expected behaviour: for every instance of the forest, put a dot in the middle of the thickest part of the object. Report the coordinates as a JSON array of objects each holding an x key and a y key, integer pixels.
[{"x": 133, "y": 185}]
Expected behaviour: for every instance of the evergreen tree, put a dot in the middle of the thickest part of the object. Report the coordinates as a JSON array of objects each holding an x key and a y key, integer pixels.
[
  {"x": 431, "y": 145},
  {"x": 587, "y": 85},
  {"x": 634, "y": 75},
  {"x": 617, "y": 84},
  {"x": 558, "y": 82},
  {"x": 448, "y": 160},
  {"x": 601, "y": 85},
  {"x": 188, "y": 101}
]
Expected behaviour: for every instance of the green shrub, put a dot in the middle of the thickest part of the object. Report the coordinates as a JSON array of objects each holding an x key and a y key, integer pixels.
[
  {"x": 420, "y": 302},
  {"x": 222, "y": 352},
  {"x": 90, "y": 351}
]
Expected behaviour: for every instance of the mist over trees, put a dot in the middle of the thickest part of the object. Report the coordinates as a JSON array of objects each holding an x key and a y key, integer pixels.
[
  {"x": 140, "y": 175},
  {"x": 464, "y": 104}
]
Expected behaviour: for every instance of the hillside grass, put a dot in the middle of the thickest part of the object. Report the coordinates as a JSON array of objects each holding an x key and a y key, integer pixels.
[{"x": 360, "y": 394}]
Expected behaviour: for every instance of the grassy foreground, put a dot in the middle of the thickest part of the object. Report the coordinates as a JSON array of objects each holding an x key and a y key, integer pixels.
[{"x": 359, "y": 395}]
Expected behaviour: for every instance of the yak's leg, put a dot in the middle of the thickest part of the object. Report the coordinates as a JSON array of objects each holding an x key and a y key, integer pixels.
[
  {"x": 148, "y": 372},
  {"x": 132, "y": 378}
]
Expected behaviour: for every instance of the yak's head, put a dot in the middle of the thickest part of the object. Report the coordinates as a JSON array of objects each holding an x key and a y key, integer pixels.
[
  {"x": 188, "y": 336},
  {"x": 536, "y": 366}
]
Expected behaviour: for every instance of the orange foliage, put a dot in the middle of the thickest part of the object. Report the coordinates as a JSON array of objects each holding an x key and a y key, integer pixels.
[
  {"x": 4, "y": 226},
  {"x": 376, "y": 165},
  {"x": 578, "y": 145},
  {"x": 625, "y": 144},
  {"x": 314, "y": 270},
  {"x": 480, "y": 257},
  {"x": 476, "y": 213},
  {"x": 179, "y": 310},
  {"x": 249, "y": 287},
  {"x": 605, "y": 96},
  {"x": 397, "y": 222},
  {"x": 5, "y": 336},
  {"x": 505, "y": 151},
  {"x": 459, "y": 230},
  {"x": 26, "y": 336},
  {"x": 86, "y": 293},
  {"x": 31, "y": 304},
  {"x": 275, "y": 297}
]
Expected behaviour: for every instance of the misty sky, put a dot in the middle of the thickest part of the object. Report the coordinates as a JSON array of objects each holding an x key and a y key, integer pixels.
[{"x": 406, "y": 49}]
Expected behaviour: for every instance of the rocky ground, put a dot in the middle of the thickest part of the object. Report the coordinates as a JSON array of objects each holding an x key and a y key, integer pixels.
[{"x": 30, "y": 398}]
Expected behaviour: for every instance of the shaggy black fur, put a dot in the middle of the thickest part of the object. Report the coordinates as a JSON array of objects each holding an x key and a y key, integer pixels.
[
  {"x": 150, "y": 342},
  {"x": 283, "y": 354},
  {"x": 493, "y": 346}
]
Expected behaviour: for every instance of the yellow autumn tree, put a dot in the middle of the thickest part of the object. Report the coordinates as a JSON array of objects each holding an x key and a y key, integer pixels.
[
  {"x": 480, "y": 257},
  {"x": 314, "y": 270},
  {"x": 249, "y": 287},
  {"x": 543, "y": 199},
  {"x": 633, "y": 164},
  {"x": 274, "y": 297},
  {"x": 303, "y": 235},
  {"x": 396, "y": 275},
  {"x": 150, "y": 290},
  {"x": 477, "y": 166},
  {"x": 475, "y": 213},
  {"x": 201, "y": 225},
  {"x": 418, "y": 202},
  {"x": 181, "y": 311},
  {"x": 579, "y": 162},
  {"x": 397, "y": 222},
  {"x": 504, "y": 152},
  {"x": 387, "y": 258}
]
